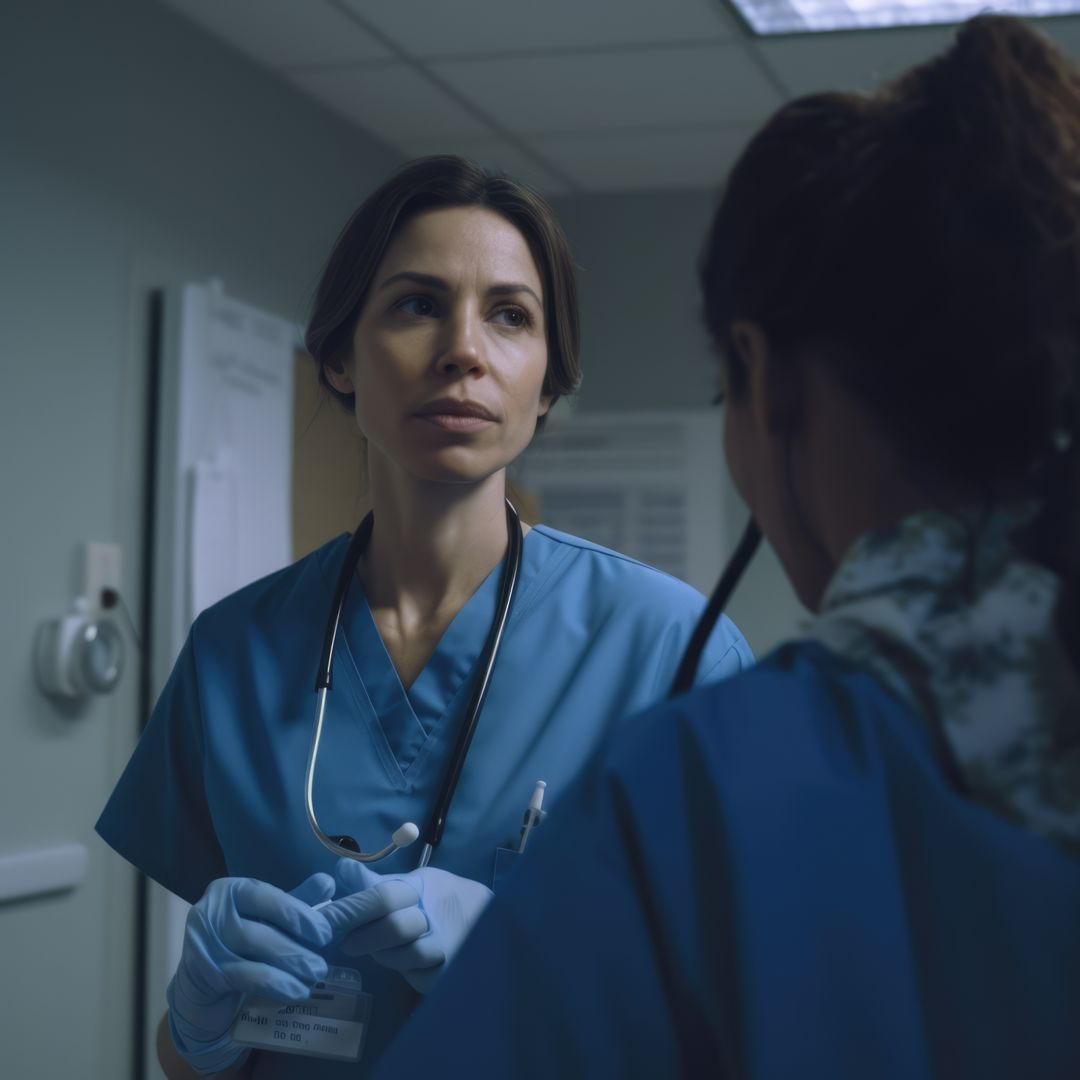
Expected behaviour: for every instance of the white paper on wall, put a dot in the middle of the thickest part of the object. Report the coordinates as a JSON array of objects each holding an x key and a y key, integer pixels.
[
  {"x": 236, "y": 443},
  {"x": 213, "y": 549},
  {"x": 644, "y": 483}
]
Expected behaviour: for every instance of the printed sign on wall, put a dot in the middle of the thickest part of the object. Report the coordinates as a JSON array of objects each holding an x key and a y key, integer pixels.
[{"x": 644, "y": 483}]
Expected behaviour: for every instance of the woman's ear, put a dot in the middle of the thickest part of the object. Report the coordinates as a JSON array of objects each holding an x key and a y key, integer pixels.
[
  {"x": 338, "y": 374},
  {"x": 773, "y": 385}
]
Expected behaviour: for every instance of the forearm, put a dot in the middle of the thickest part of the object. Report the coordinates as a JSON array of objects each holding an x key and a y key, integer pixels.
[{"x": 176, "y": 1067}]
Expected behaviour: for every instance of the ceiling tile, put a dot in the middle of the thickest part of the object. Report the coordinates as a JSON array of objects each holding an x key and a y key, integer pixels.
[
  {"x": 393, "y": 101},
  {"x": 285, "y": 33},
  {"x": 445, "y": 28},
  {"x": 626, "y": 160},
  {"x": 496, "y": 154},
  {"x": 712, "y": 85},
  {"x": 851, "y": 61}
]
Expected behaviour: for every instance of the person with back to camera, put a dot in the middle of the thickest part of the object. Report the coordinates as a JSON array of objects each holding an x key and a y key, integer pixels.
[
  {"x": 861, "y": 858},
  {"x": 446, "y": 321}
]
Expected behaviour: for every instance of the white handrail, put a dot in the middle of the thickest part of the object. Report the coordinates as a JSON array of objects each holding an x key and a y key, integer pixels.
[{"x": 32, "y": 873}]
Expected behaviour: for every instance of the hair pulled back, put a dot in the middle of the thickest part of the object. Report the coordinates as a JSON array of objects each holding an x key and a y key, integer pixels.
[
  {"x": 926, "y": 239},
  {"x": 432, "y": 183}
]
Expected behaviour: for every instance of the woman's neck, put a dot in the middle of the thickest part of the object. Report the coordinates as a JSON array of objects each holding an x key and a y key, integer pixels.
[
  {"x": 431, "y": 547},
  {"x": 858, "y": 478}
]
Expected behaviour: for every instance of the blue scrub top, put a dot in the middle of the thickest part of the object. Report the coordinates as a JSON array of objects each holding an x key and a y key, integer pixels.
[
  {"x": 769, "y": 878},
  {"x": 215, "y": 786}
]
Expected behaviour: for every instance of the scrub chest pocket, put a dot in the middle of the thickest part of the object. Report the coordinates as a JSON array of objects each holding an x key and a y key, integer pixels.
[{"x": 505, "y": 861}]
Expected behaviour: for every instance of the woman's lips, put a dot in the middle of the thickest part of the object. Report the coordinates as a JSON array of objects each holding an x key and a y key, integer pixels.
[
  {"x": 456, "y": 414},
  {"x": 456, "y": 421}
]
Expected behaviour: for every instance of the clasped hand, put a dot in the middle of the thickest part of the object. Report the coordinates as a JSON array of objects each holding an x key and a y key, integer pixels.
[
  {"x": 243, "y": 937},
  {"x": 412, "y": 923},
  {"x": 248, "y": 937}
]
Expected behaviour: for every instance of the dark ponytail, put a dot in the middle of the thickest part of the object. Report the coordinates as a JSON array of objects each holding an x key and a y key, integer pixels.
[
  {"x": 927, "y": 239},
  {"x": 1013, "y": 101}
]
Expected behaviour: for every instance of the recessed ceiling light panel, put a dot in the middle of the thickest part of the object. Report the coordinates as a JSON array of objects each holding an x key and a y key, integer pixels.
[{"x": 813, "y": 16}]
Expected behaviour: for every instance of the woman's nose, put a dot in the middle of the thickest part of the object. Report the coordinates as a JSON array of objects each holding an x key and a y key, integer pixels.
[{"x": 462, "y": 349}]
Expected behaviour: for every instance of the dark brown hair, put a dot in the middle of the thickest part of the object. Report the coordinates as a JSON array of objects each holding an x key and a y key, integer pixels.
[
  {"x": 927, "y": 239},
  {"x": 428, "y": 184}
]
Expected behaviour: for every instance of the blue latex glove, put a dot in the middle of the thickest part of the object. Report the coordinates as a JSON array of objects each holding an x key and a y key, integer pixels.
[
  {"x": 412, "y": 923},
  {"x": 243, "y": 937}
]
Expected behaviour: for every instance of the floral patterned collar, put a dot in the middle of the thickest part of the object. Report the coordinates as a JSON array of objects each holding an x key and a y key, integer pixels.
[{"x": 948, "y": 614}]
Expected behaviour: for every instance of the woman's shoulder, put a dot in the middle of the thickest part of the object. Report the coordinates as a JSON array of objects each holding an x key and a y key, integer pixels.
[
  {"x": 808, "y": 744},
  {"x": 645, "y": 604},
  {"x": 799, "y": 695},
  {"x": 799, "y": 724},
  {"x": 297, "y": 592},
  {"x": 621, "y": 570}
]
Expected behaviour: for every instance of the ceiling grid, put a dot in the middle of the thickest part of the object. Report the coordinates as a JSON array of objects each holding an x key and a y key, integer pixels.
[{"x": 572, "y": 95}]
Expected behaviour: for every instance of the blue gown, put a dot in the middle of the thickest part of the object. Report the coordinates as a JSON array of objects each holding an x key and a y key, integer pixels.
[
  {"x": 768, "y": 878},
  {"x": 215, "y": 786}
]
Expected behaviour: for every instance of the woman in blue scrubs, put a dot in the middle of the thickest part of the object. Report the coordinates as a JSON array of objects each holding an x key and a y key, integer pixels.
[
  {"x": 862, "y": 857},
  {"x": 446, "y": 321}
]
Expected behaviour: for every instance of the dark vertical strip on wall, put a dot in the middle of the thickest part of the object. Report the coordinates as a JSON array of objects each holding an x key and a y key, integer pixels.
[{"x": 145, "y": 699}]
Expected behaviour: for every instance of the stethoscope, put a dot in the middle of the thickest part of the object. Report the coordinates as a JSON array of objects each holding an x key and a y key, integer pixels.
[
  {"x": 407, "y": 832},
  {"x": 737, "y": 564}
]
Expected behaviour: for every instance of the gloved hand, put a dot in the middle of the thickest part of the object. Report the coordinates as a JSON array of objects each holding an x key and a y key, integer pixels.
[
  {"x": 412, "y": 923},
  {"x": 243, "y": 937}
]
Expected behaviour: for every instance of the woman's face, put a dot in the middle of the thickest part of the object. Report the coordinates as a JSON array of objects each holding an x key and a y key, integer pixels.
[{"x": 450, "y": 349}]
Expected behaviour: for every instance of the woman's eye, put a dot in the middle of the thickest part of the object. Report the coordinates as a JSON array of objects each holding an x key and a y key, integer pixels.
[
  {"x": 512, "y": 316},
  {"x": 420, "y": 306}
]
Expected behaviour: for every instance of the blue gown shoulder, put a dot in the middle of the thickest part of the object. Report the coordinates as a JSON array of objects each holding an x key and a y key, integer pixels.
[
  {"x": 299, "y": 591},
  {"x": 769, "y": 877},
  {"x": 607, "y": 584}
]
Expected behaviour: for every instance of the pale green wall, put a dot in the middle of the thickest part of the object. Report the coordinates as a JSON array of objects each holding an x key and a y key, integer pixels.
[
  {"x": 644, "y": 347},
  {"x": 643, "y": 342},
  {"x": 134, "y": 152}
]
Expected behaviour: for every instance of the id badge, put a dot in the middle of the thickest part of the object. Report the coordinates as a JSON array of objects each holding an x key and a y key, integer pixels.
[{"x": 332, "y": 1023}]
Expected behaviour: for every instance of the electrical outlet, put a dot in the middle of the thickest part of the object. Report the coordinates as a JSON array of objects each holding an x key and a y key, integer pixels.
[{"x": 102, "y": 571}]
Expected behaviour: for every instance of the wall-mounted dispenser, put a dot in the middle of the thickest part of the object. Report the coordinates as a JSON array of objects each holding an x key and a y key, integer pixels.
[{"x": 82, "y": 653}]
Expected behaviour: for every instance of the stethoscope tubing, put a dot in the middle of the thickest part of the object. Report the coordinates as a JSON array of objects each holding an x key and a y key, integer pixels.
[
  {"x": 737, "y": 564},
  {"x": 324, "y": 678},
  {"x": 683, "y": 681},
  {"x": 437, "y": 823},
  {"x": 324, "y": 682},
  {"x": 309, "y": 805}
]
